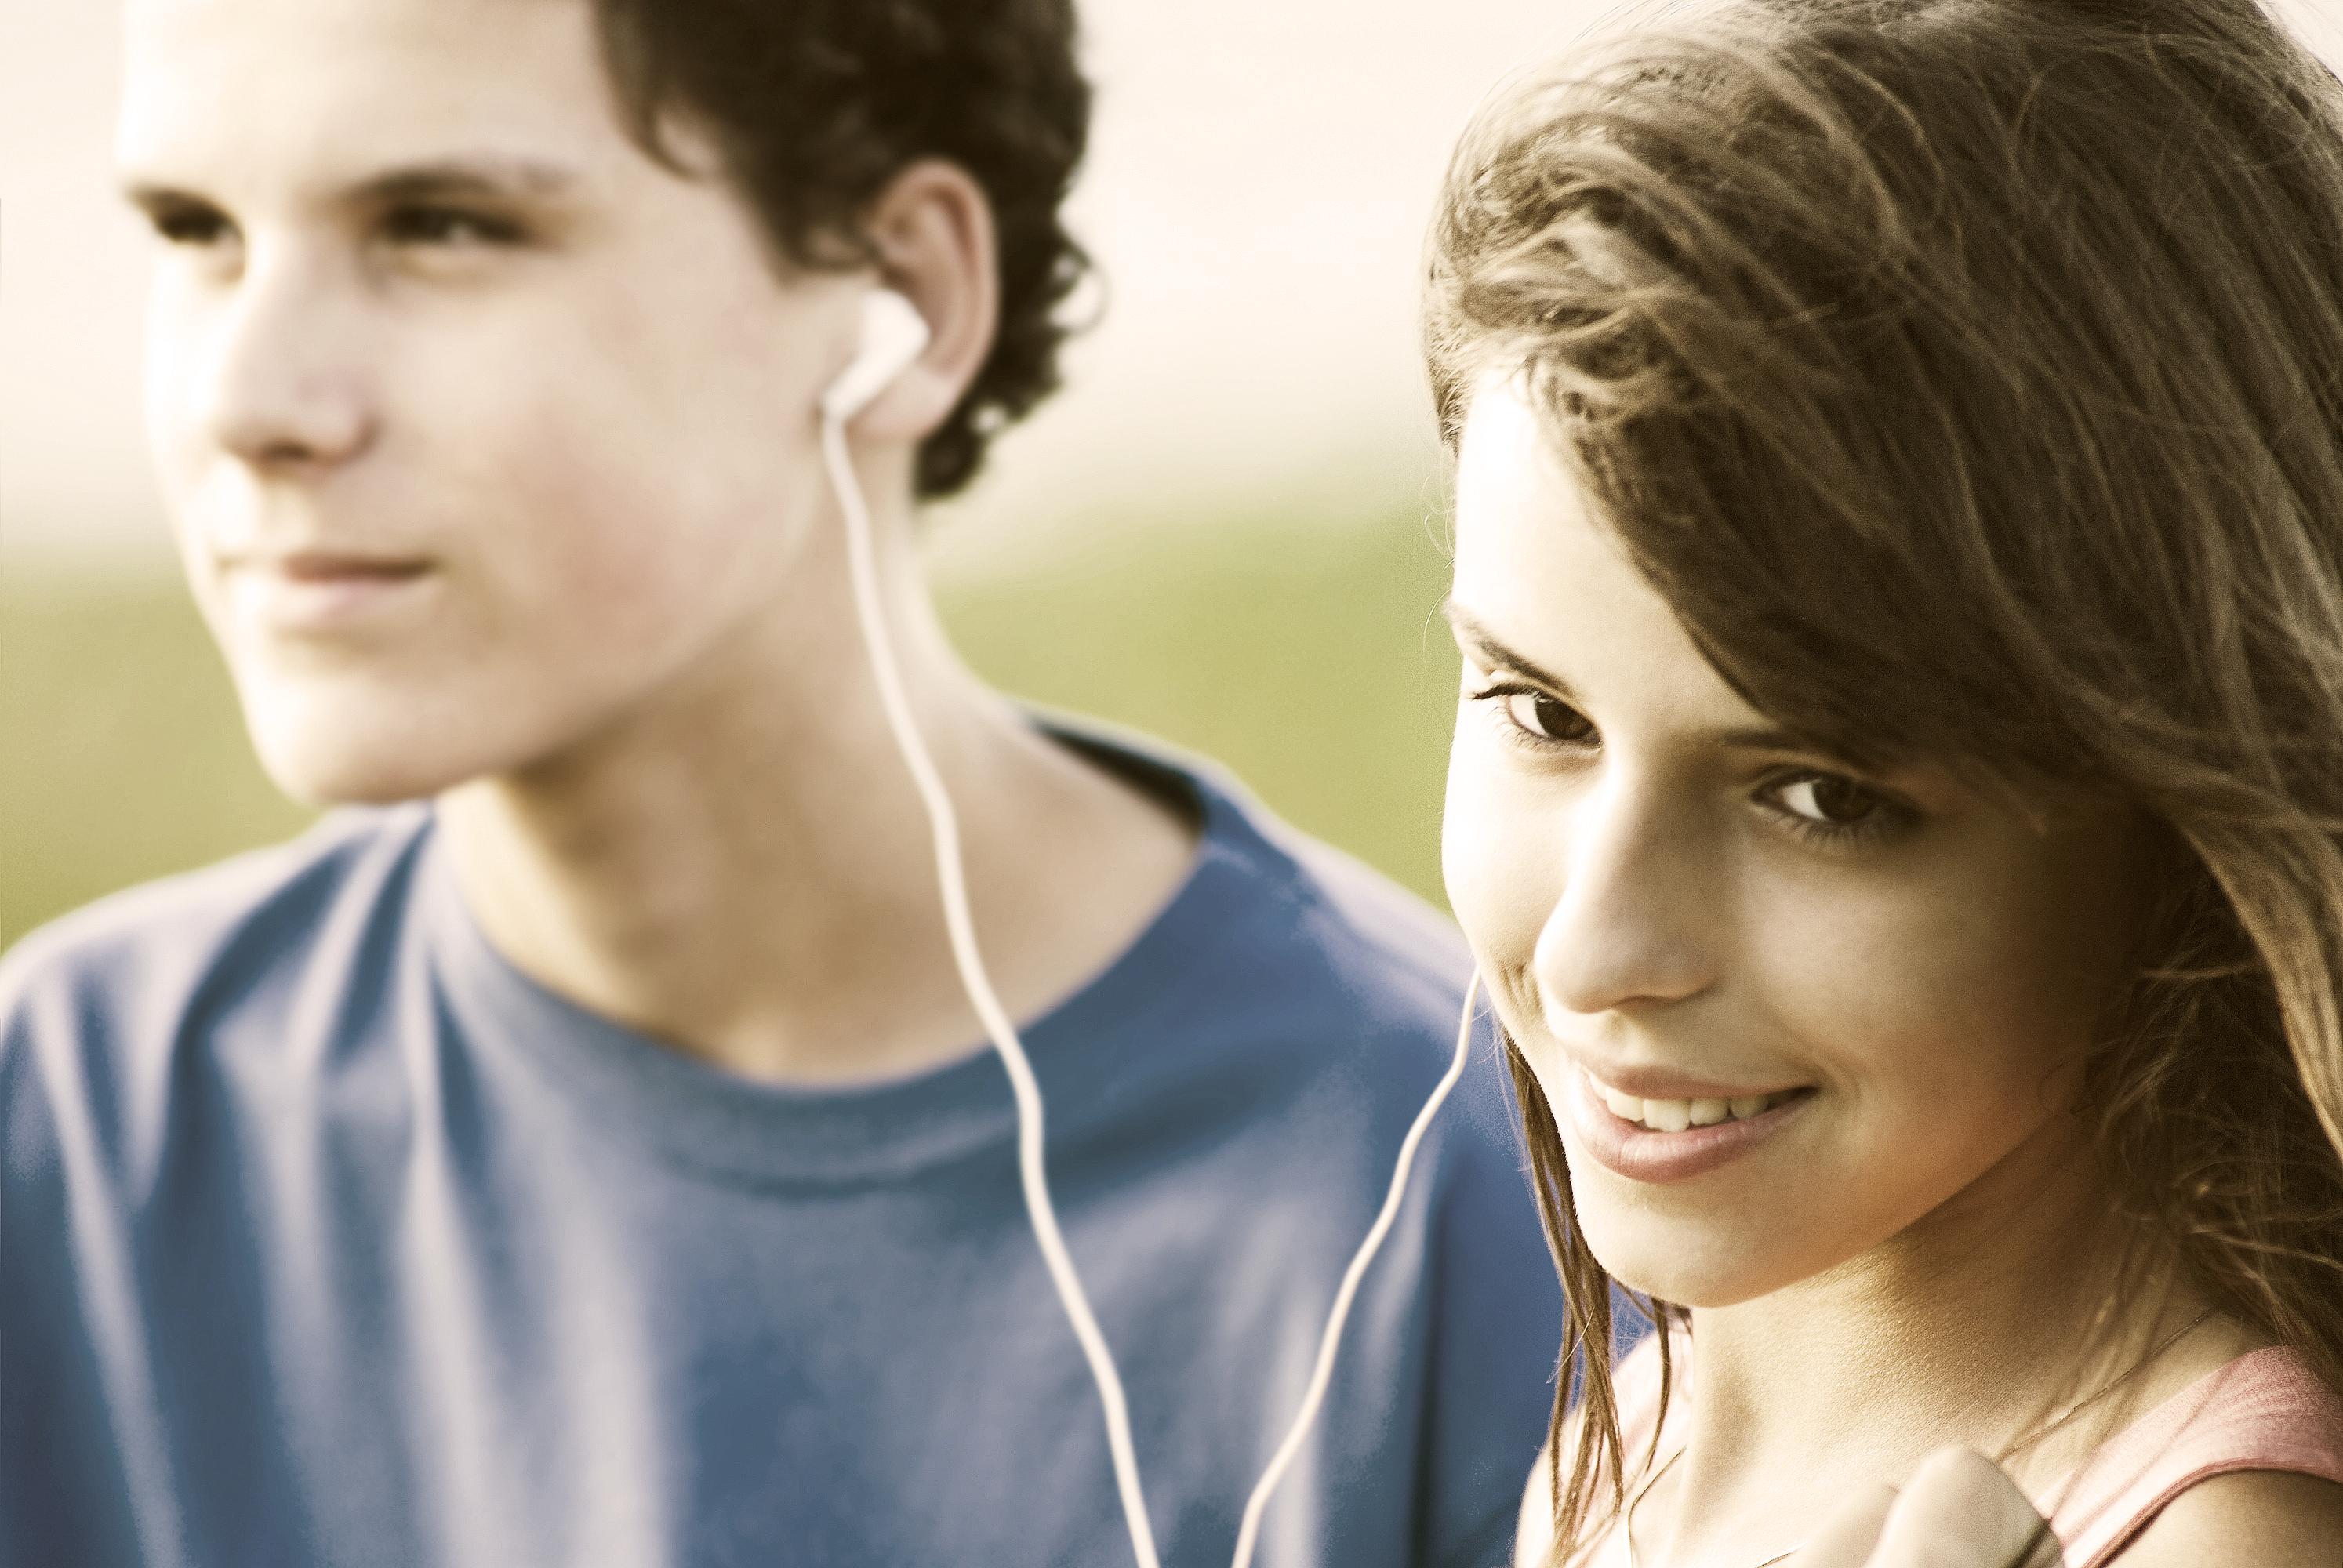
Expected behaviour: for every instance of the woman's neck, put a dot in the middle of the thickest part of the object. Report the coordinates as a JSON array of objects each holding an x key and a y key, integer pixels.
[{"x": 1975, "y": 1326}]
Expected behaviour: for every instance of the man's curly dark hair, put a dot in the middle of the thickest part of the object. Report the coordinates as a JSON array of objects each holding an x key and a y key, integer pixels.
[{"x": 817, "y": 104}]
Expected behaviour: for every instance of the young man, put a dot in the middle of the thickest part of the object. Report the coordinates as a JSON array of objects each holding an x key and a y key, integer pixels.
[{"x": 585, "y": 1154}]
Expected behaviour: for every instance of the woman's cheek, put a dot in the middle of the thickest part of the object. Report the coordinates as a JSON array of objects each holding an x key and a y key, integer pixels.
[
  {"x": 1920, "y": 1004},
  {"x": 1499, "y": 866}
]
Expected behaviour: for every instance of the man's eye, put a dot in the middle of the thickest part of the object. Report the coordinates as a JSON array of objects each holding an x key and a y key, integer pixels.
[
  {"x": 1830, "y": 801},
  {"x": 445, "y": 226},
  {"x": 190, "y": 225},
  {"x": 1545, "y": 717}
]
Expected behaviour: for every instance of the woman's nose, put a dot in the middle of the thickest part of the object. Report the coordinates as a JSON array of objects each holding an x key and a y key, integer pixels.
[{"x": 1638, "y": 901}]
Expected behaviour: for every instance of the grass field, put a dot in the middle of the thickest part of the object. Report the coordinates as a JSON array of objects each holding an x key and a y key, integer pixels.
[{"x": 1305, "y": 655}]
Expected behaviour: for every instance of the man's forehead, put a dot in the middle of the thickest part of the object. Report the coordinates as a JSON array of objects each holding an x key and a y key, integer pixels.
[
  {"x": 349, "y": 88},
  {"x": 447, "y": 30}
]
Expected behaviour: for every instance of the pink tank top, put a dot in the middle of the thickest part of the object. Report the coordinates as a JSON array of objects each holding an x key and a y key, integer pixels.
[{"x": 2264, "y": 1410}]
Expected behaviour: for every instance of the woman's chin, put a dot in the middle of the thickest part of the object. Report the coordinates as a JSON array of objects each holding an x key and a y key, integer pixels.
[
  {"x": 1701, "y": 1262},
  {"x": 1671, "y": 1281}
]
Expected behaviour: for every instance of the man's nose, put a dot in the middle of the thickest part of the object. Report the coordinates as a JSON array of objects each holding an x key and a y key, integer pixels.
[
  {"x": 286, "y": 386},
  {"x": 1635, "y": 921}
]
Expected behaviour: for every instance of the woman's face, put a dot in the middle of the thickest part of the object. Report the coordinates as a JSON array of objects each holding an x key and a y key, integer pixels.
[{"x": 1784, "y": 1013}]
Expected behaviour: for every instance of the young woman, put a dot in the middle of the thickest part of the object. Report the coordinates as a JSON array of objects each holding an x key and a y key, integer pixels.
[{"x": 1897, "y": 802}]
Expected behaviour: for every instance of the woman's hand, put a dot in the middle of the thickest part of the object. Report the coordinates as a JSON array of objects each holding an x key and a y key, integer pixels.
[{"x": 1959, "y": 1511}]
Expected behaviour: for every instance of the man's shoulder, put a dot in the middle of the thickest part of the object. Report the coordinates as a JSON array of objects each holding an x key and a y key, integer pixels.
[
  {"x": 1385, "y": 935},
  {"x": 1361, "y": 984},
  {"x": 1377, "y": 977},
  {"x": 200, "y": 915},
  {"x": 1284, "y": 915},
  {"x": 141, "y": 964},
  {"x": 1339, "y": 931}
]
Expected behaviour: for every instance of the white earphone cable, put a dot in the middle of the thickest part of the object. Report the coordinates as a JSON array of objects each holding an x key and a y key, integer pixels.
[
  {"x": 951, "y": 878},
  {"x": 1249, "y": 1532},
  {"x": 949, "y": 872}
]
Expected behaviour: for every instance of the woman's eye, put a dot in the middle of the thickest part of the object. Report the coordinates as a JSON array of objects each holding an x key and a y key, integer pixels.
[
  {"x": 1827, "y": 801},
  {"x": 1545, "y": 717}
]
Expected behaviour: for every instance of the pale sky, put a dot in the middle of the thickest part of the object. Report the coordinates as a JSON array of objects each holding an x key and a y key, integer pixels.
[{"x": 1260, "y": 179}]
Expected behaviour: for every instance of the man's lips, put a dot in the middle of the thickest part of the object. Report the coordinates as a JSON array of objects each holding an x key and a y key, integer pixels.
[
  {"x": 313, "y": 592},
  {"x": 328, "y": 567}
]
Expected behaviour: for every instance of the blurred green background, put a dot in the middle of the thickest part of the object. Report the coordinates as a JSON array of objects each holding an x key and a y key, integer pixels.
[{"x": 1305, "y": 652}]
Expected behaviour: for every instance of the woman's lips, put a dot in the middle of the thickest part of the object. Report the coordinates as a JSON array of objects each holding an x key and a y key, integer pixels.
[{"x": 1643, "y": 1153}]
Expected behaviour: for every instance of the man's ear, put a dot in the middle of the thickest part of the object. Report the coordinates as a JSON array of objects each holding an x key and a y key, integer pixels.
[{"x": 933, "y": 232}]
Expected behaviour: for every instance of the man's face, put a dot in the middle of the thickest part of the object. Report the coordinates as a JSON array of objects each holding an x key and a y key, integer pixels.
[{"x": 478, "y": 429}]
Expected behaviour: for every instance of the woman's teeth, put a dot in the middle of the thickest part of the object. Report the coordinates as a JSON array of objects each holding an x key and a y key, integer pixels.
[{"x": 1675, "y": 1115}]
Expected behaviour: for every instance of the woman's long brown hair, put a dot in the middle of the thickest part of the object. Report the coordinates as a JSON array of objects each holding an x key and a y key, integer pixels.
[{"x": 1968, "y": 375}]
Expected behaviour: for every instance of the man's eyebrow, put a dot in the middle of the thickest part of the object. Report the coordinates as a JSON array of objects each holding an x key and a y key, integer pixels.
[
  {"x": 151, "y": 196},
  {"x": 1469, "y": 629},
  {"x": 459, "y": 177},
  {"x": 442, "y": 179}
]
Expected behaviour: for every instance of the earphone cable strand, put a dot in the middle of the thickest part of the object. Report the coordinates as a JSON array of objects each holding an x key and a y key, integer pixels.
[
  {"x": 951, "y": 875},
  {"x": 1249, "y": 1532}
]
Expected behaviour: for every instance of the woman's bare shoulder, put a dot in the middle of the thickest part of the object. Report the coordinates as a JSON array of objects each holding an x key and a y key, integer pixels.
[
  {"x": 1533, "y": 1527},
  {"x": 2247, "y": 1519}
]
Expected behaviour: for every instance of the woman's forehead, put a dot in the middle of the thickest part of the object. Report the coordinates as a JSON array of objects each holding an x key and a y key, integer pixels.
[{"x": 1540, "y": 576}]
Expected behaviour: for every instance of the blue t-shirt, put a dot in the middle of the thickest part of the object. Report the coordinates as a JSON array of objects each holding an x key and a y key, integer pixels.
[{"x": 328, "y": 1237}]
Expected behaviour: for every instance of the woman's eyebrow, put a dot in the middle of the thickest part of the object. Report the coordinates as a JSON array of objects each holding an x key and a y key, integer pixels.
[
  {"x": 1763, "y": 737},
  {"x": 1758, "y": 737},
  {"x": 1469, "y": 629}
]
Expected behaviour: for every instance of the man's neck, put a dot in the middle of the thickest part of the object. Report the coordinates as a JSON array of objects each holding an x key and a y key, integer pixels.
[{"x": 743, "y": 870}]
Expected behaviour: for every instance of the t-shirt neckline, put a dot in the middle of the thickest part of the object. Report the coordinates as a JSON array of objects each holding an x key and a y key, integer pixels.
[{"x": 656, "y": 1099}]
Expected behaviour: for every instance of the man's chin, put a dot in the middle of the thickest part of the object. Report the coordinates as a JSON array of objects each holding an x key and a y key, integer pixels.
[{"x": 324, "y": 772}]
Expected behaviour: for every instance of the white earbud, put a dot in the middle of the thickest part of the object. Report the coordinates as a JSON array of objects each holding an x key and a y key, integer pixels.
[{"x": 894, "y": 334}]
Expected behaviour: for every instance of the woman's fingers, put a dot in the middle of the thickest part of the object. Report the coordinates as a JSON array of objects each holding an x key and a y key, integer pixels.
[
  {"x": 1959, "y": 1511},
  {"x": 1847, "y": 1536}
]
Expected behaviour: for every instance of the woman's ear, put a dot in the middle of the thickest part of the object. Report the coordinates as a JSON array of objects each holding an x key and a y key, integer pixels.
[{"x": 933, "y": 232}]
